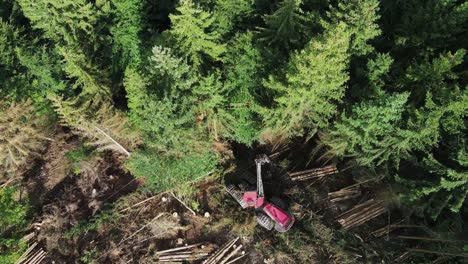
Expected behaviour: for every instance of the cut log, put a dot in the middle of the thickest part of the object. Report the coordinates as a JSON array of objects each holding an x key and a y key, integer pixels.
[
  {"x": 221, "y": 252},
  {"x": 387, "y": 229},
  {"x": 313, "y": 173},
  {"x": 344, "y": 194},
  {"x": 360, "y": 214}
]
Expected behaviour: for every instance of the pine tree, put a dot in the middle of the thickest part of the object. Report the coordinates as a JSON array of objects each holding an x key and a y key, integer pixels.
[
  {"x": 172, "y": 75},
  {"x": 360, "y": 17},
  {"x": 44, "y": 71},
  {"x": 211, "y": 104},
  {"x": 71, "y": 26},
  {"x": 165, "y": 122},
  {"x": 192, "y": 35},
  {"x": 315, "y": 83}
]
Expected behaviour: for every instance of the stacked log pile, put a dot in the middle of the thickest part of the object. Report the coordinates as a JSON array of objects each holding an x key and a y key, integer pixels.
[
  {"x": 185, "y": 253},
  {"x": 316, "y": 173},
  {"x": 361, "y": 213},
  {"x": 229, "y": 253},
  {"x": 32, "y": 255},
  {"x": 349, "y": 192}
]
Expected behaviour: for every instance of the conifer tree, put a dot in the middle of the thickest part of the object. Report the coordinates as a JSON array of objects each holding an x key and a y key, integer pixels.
[
  {"x": 371, "y": 132},
  {"x": 126, "y": 32},
  {"x": 443, "y": 187},
  {"x": 284, "y": 26},
  {"x": 66, "y": 22},
  {"x": 227, "y": 13},
  {"x": 193, "y": 37},
  {"x": 244, "y": 71},
  {"x": 22, "y": 137},
  {"x": 106, "y": 130},
  {"x": 425, "y": 24},
  {"x": 315, "y": 83},
  {"x": 360, "y": 17}
]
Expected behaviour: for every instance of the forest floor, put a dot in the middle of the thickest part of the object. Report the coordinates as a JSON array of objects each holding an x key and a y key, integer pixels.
[{"x": 89, "y": 211}]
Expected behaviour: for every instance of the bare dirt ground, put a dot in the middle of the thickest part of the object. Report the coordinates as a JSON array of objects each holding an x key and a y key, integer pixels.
[{"x": 92, "y": 211}]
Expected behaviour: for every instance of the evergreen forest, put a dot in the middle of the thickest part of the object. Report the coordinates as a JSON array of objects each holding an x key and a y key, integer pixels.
[{"x": 121, "y": 122}]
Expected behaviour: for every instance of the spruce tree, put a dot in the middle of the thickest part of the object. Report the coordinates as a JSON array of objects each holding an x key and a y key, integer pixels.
[
  {"x": 360, "y": 17},
  {"x": 314, "y": 85},
  {"x": 192, "y": 35},
  {"x": 126, "y": 30},
  {"x": 284, "y": 26},
  {"x": 371, "y": 132}
]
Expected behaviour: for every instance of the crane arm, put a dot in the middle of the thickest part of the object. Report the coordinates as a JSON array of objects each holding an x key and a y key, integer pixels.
[{"x": 259, "y": 162}]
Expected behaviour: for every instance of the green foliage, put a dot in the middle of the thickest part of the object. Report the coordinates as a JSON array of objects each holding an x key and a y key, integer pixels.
[
  {"x": 284, "y": 26},
  {"x": 126, "y": 32},
  {"x": 377, "y": 69},
  {"x": 433, "y": 23},
  {"x": 244, "y": 69},
  {"x": 162, "y": 173},
  {"x": 165, "y": 126},
  {"x": 67, "y": 22},
  {"x": 192, "y": 35},
  {"x": 13, "y": 220},
  {"x": 13, "y": 214},
  {"x": 371, "y": 132},
  {"x": 76, "y": 156},
  {"x": 227, "y": 13},
  {"x": 443, "y": 187},
  {"x": 315, "y": 83},
  {"x": 360, "y": 17},
  {"x": 43, "y": 68}
]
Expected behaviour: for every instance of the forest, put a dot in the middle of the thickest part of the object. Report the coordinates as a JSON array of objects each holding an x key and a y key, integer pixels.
[{"x": 121, "y": 121}]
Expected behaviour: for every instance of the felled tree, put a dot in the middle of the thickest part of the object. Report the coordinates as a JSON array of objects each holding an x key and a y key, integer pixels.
[
  {"x": 315, "y": 83},
  {"x": 192, "y": 35},
  {"x": 22, "y": 136},
  {"x": 360, "y": 17},
  {"x": 106, "y": 129}
]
